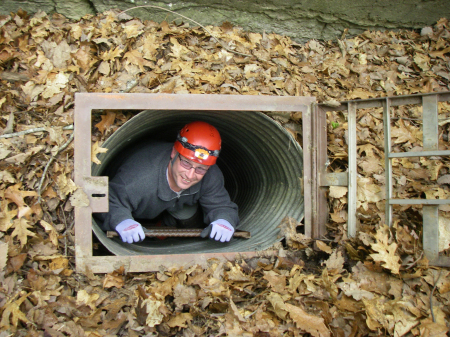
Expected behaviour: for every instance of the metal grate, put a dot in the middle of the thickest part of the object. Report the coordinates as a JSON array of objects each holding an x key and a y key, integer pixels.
[{"x": 319, "y": 180}]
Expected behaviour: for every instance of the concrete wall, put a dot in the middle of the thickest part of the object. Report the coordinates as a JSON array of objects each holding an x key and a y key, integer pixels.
[{"x": 300, "y": 19}]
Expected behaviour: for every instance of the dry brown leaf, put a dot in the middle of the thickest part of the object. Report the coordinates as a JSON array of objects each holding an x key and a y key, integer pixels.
[
  {"x": 6, "y": 216},
  {"x": 324, "y": 247},
  {"x": 84, "y": 298},
  {"x": 184, "y": 295},
  {"x": 12, "y": 313},
  {"x": 21, "y": 231},
  {"x": 235, "y": 311},
  {"x": 181, "y": 320},
  {"x": 114, "y": 279},
  {"x": 279, "y": 307},
  {"x": 386, "y": 252},
  {"x": 96, "y": 149},
  {"x": 154, "y": 316},
  {"x": 15, "y": 262},
  {"x": 52, "y": 233},
  {"x": 3, "y": 255},
  {"x": 106, "y": 122},
  {"x": 335, "y": 262},
  {"x": 338, "y": 191},
  {"x": 14, "y": 194},
  {"x": 276, "y": 282},
  {"x": 352, "y": 289},
  {"x": 306, "y": 322}
]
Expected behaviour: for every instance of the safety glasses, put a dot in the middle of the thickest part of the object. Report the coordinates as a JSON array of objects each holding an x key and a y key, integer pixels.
[{"x": 187, "y": 165}]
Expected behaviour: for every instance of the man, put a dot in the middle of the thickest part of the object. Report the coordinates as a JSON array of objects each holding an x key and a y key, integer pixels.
[{"x": 179, "y": 183}]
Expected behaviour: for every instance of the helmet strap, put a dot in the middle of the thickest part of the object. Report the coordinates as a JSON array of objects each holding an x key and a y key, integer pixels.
[{"x": 175, "y": 158}]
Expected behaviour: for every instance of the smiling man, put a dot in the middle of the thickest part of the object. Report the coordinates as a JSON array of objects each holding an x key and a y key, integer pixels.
[{"x": 178, "y": 184}]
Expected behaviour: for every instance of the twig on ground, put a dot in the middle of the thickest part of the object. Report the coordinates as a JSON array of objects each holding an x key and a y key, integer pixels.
[
  {"x": 34, "y": 130},
  {"x": 431, "y": 296},
  {"x": 412, "y": 264},
  {"x": 62, "y": 148},
  {"x": 185, "y": 17}
]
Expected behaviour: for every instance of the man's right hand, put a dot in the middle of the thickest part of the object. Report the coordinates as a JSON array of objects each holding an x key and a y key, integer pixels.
[{"x": 130, "y": 231}]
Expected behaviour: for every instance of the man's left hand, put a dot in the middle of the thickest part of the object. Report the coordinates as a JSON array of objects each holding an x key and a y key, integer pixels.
[{"x": 219, "y": 230}]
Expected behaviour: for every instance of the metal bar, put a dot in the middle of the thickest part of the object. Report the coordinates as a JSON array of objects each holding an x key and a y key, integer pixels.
[
  {"x": 395, "y": 101},
  {"x": 430, "y": 123},
  {"x": 352, "y": 170},
  {"x": 419, "y": 201},
  {"x": 431, "y": 231},
  {"x": 419, "y": 154},
  {"x": 194, "y": 102},
  {"x": 441, "y": 261},
  {"x": 430, "y": 143},
  {"x": 307, "y": 171},
  {"x": 320, "y": 158},
  {"x": 150, "y": 263},
  {"x": 82, "y": 162},
  {"x": 179, "y": 232},
  {"x": 387, "y": 160},
  {"x": 334, "y": 179}
]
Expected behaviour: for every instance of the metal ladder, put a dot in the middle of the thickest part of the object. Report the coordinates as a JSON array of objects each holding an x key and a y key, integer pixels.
[{"x": 317, "y": 180}]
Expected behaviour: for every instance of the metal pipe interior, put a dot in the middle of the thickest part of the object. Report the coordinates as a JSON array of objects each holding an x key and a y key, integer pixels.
[{"x": 261, "y": 162}]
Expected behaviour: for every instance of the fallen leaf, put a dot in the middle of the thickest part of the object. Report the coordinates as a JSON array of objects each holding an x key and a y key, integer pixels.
[
  {"x": 154, "y": 316},
  {"x": 96, "y": 149},
  {"x": 21, "y": 231},
  {"x": 386, "y": 252},
  {"x": 12, "y": 313},
  {"x": 324, "y": 247},
  {"x": 52, "y": 233},
  {"x": 338, "y": 191},
  {"x": 114, "y": 279},
  {"x": 106, "y": 122},
  {"x": 306, "y": 322},
  {"x": 335, "y": 262}
]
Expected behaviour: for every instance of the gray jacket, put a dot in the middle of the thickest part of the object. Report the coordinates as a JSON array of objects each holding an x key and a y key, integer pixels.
[{"x": 140, "y": 190}]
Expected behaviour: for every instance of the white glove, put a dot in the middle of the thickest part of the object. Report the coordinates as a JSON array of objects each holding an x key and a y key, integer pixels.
[
  {"x": 130, "y": 231},
  {"x": 220, "y": 230}
]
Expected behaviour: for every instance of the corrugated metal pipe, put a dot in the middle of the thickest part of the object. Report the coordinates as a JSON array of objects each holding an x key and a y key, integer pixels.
[{"x": 261, "y": 162}]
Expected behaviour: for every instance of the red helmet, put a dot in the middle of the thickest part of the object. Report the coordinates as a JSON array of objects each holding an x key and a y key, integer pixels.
[{"x": 199, "y": 142}]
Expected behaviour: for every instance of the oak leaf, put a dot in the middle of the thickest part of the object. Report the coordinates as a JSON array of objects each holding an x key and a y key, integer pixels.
[
  {"x": 106, "y": 122},
  {"x": 12, "y": 313},
  {"x": 386, "y": 252},
  {"x": 312, "y": 324},
  {"x": 21, "y": 231},
  {"x": 6, "y": 216},
  {"x": 96, "y": 149}
]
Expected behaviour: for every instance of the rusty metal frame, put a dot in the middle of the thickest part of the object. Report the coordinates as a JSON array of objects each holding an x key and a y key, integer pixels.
[
  {"x": 94, "y": 186},
  {"x": 319, "y": 208}
]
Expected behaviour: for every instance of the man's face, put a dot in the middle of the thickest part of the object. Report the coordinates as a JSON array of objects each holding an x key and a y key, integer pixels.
[{"x": 181, "y": 177}]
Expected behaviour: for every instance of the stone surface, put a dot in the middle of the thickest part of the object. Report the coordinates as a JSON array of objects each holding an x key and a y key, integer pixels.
[{"x": 300, "y": 19}]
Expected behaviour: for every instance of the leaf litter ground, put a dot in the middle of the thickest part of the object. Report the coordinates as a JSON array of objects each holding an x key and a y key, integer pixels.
[{"x": 376, "y": 284}]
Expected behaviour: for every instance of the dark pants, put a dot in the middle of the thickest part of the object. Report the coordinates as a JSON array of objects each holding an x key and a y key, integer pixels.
[{"x": 195, "y": 221}]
